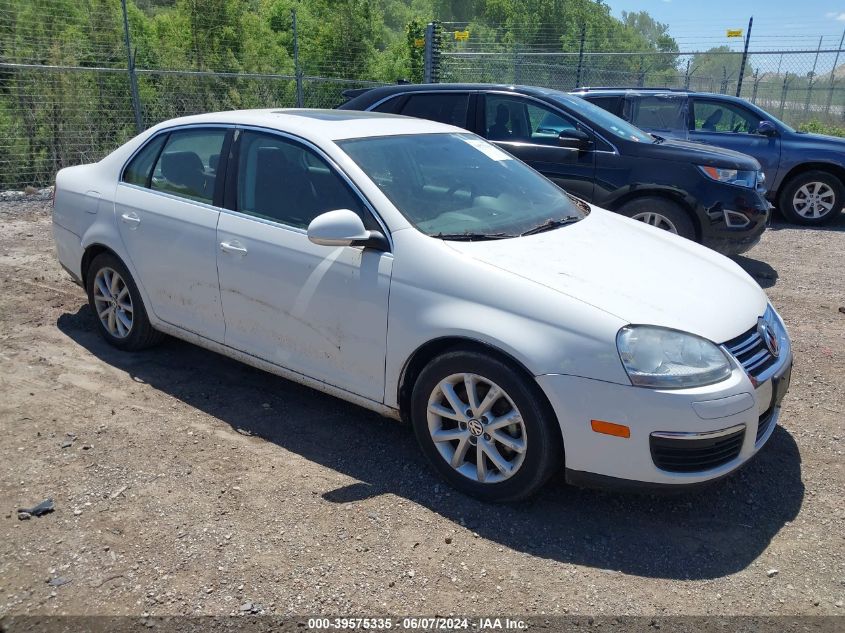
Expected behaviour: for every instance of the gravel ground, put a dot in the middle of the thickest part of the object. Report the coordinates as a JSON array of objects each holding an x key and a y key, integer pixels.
[{"x": 186, "y": 483}]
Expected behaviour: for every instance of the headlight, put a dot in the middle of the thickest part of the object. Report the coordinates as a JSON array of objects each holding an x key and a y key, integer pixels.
[
  {"x": 668, "y": 359},
  {"x": 730, "y": 176}
]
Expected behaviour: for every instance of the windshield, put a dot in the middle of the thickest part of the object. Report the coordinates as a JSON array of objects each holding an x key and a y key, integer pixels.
[
  {"x": 604, "y": 119},
  {"x": 459, "y": 186}
]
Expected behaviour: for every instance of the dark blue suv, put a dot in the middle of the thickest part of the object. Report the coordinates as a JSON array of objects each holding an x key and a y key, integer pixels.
[
  {"x": 805, "y": 173},
  {"x": 708, "y": 194}
]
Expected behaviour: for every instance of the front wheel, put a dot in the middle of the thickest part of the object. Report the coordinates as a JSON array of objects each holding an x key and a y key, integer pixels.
[
  {"x": 812, "y": 198},
  {"x": 117, "y": 305},
  {"x": 660, "y": 213},
  {"x": 484, "y": 427}
]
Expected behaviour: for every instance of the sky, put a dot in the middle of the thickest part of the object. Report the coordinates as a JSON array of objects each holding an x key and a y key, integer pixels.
[{"x": 778, "y": 24}]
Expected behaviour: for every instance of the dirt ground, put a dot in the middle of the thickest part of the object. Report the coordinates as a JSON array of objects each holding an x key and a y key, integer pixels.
[{"x": 187, "y": 483}]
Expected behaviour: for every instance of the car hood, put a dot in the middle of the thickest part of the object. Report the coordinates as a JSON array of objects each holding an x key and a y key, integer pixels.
[
  {"x": 698, "y": 153},
  {"x": 810, "y": 140},
  {"x": 635, "y": 272}
]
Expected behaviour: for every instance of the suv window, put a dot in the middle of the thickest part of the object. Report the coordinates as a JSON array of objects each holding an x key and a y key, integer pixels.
[
  {"x": 285, "y": 182},
  {"x": 446, "y": 107},
  {"x": 513, "y": 119},
  {"x": 658, "y": 112},
  {"x": 717, "y": 116},
  {"x": 611, "y": 104},
  {"x": 187, "y": 166},
  {"x": 138, "y": 170}
]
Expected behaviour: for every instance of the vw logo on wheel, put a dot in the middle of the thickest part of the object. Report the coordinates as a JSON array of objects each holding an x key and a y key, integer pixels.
[
  {"x": 475, "y": 427},
  {"x": 770, "y": 338}
]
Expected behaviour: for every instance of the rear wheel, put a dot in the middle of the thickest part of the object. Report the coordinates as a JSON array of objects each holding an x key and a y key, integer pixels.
[
  {"x": 484, "y": 427},
  {"x": 812, "y": 198},
  {"x": 117, "y": 305},
  {"x": 660, "y": 213}
]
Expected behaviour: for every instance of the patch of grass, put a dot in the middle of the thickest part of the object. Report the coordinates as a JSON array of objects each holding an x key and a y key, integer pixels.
[{"x": 818, "y": 127}]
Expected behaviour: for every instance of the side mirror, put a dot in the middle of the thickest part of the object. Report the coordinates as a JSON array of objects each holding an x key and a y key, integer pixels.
[
  {"x": 577, "y": 139},
  {"x": 766, "y": 128},
  {"x": 344, "y": 228}
]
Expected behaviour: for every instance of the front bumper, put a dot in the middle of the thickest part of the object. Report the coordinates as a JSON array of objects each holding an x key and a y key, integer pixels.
[
  {"x": 732, "y": 218},
  {"x": 737, "y": 412}
]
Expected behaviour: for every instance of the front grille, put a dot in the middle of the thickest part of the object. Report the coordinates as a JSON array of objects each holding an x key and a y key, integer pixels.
[
  {"x": 751, "y": 352},
  {"x": 681, "y": 455},
  {"x": 765, "y": 423}
]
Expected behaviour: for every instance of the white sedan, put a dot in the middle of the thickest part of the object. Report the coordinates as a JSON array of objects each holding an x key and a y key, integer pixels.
[{"x": 415, "y": 269}]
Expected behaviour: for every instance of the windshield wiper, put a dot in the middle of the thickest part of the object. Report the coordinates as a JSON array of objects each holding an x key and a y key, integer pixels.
[
  {"x": 658, "y": 139},
  {"x": 472, "y": 237},
  {"x": 551, "y": 224}
]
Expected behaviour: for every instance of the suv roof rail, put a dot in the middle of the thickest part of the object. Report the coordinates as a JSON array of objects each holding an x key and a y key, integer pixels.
[{"x": 664, "y": 88}]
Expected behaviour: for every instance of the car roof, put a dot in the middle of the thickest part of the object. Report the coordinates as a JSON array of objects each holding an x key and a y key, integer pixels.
[
  {"x": 385, "y": 91},
  {"x": 331, "y": 125},
  {"x": 587, "y": 91}
]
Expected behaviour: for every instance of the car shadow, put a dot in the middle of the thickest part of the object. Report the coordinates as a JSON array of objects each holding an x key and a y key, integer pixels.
[
  {"x": 780, "y": 223},
  {"x": 708, "y": 533},
  {"x": 762, "y": 272}
]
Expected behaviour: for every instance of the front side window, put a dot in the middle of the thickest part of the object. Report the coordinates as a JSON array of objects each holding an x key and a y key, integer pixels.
[
  {"x": 286, "y": 182},
  {"x": 459, "y": 186},
  {"x": 187, "y": 166},
  {"x": 514, "y": 119},
  {"x": 138, "y": 170},
  {"x": 716, "y": 116},
  {"x": 444, "y": 107},
  {"x": 663, "y": 113}
]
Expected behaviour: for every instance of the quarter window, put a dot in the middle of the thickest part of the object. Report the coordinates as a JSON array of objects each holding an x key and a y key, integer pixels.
[
  {"x": 138, "y": 170},
  {"x": 188, "y": 163},
  {"x": 285, "y": 182},
  {"x": 513, "y": 119},
  {"x": 447, "y": 107},
  {"x": 715, "y": 116}
]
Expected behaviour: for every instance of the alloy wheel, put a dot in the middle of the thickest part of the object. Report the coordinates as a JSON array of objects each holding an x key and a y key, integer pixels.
[
  {"x": 476, "y": 428},
  {"x": 113, "y": 302},
  {"x": 657, "y": 220},
  {"x": 813, "y": 200}
]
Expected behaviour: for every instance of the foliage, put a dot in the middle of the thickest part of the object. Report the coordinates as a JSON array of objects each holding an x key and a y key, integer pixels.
[{"x": 818, "y": 127}]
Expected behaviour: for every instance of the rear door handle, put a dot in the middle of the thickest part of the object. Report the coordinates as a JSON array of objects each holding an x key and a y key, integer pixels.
[
  {"x": 131, "y": 219},
  {"x": 233, "y": 247}
]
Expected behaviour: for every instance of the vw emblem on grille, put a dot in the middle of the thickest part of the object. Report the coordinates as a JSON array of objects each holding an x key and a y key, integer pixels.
[
  {"x": 475, "y": 427},
  {"x": 770, "y": 338}
]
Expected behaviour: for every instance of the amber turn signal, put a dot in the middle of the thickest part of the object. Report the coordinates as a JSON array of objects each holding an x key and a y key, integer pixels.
[{"x": 609, "y": 428}]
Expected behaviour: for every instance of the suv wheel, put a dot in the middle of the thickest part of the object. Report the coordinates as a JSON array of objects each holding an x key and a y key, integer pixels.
[
  {"x": 484, "y": 427},
  {"x": 812, "y": 198},
  {"x": 661, "y": 213},
  {"x": 116, "y": 302}
]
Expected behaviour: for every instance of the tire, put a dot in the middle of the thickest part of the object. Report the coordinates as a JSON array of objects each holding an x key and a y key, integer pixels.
[
  {"x": 103, "y": 287},
  {"x": 661, "y": 213},
  {"x": 533, "y": 428},
  {"x": 818, "y": 211}
]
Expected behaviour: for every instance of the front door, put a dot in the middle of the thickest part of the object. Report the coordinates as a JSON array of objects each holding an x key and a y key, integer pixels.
[
  {"x": 165, "y": 213},
  {"x": 731, "y": 126},
  {"x": 320, "y": 311},
  {"x": 529, "y": 130}
]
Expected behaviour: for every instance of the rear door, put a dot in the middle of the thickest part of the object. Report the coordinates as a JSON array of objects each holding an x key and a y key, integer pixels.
[
  {"x": 529, "y": 130},
  {"x": 729, "y": 125},
  {"x": 167, "y": 206}
]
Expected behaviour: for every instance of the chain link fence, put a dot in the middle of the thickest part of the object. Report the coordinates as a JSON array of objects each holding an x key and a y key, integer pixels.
[{"x": 795, "y": 85}]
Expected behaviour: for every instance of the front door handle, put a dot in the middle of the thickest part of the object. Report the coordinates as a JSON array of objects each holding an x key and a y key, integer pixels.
[
  {"x": 131, "y": 219},
  {"x": 233, "y": 247}
]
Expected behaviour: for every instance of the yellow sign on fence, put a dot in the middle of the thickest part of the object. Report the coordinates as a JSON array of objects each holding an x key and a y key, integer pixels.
[
  {"x": 734, "y": 32},
  {"x": 419, "y": 42},
  {"x": 462, "y": 36}
]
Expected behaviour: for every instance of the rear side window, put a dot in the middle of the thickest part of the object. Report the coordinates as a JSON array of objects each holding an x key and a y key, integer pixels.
[
  {"x": 138, "y": 170},
  {"x": 285, "y": 182},
  {"x": 611, "y": 104},
  {"x": 187, "y": 166},
  {"x": 447, "y": 107},
  {"x": 658, "y": 112}
]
